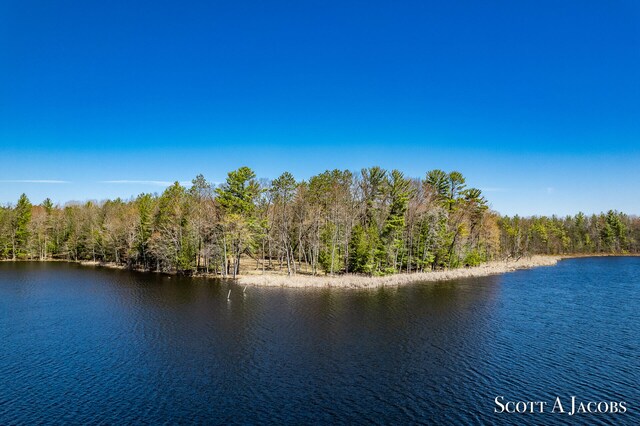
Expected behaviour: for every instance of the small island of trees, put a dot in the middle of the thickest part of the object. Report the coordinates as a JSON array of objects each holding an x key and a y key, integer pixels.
[{"x": 374, "y": 222}]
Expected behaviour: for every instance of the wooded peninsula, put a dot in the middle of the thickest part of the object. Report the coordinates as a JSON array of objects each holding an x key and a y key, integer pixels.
[{"x": 371, "y": 223}]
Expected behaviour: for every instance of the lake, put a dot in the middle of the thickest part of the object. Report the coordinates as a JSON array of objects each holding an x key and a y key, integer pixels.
[{"x": 92, "y": 345}]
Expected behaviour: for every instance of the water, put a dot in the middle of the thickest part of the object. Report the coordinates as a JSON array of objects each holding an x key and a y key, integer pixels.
[{"x": 90, "y": 345}]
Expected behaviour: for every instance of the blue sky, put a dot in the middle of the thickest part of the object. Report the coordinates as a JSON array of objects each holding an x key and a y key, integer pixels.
[{"x": 536, "y": 102}]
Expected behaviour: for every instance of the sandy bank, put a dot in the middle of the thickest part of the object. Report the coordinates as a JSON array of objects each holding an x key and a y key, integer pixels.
[
  {"x": 111, "y": 265},
  {"x": 359, "y": 281}
]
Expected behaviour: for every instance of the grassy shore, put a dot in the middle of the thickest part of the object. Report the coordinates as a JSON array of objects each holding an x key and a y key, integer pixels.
[{"x": 360, "y": 281}]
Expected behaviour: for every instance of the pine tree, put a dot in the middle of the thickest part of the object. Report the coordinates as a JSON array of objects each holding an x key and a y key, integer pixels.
[
  {"x": 21, "y": 219},
  {"x": 399, "y": 191},
  {"x": 237, "y": 197}
]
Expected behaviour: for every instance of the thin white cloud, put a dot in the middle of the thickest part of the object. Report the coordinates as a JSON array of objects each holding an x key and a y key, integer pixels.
[
  {"x": 144, "y": 182},
  {"x": 52, "y": 181},
  {"x": 551, "y": 190}
]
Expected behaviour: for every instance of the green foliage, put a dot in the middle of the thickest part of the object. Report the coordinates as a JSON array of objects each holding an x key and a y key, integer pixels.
[
  {"x": 437, "y": 180},
  {"x": 48, "y": 205},
  {"x": 604, "y": 233},
  {"x": 238, "y": 194},
  {"x": 444, "y": 242},
  {"x": 373, "y": 189},
  {"x": 449, "y": 189},
  {"x": 5, "y": 240},
  {"x": 283, "y": 188},
  {"x": 375, "y": 223},
  {"x": 21, "y": 219},
  {"x": 170, "y": 243},
  {"x": 145, "y": 205},
  {"x": 474, "y": 257},
  {"x": 200, "y": 188},
  {"x": 399, "y": 191},
  {"x": 614, "y": 232},
  {"x": 331, "y": 256},
  {"x": 185, "y": 255},
  {"x": 238, "y": 197},
  {"x": 362, "y": 249}
]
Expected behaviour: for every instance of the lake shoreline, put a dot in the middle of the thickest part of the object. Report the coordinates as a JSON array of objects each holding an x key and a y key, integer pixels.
[{"x": 353, "y": 281}]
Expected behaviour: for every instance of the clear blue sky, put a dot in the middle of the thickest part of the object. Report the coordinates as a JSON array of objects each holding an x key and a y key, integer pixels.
[{"x": 537, "y": 102}]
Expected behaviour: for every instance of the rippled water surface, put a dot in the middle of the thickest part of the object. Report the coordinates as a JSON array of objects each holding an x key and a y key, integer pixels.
[{"x": 91, "y": 345}]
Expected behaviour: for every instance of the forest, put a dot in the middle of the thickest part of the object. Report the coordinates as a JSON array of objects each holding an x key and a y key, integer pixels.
[{"x": 374, "y": 222}]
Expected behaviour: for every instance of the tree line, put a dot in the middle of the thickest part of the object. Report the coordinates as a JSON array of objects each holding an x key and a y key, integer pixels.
[{"x": 373, "y": 222}]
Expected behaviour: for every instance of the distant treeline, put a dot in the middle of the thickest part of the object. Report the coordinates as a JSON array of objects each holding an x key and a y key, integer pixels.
[{"x": 373, "y": 222}]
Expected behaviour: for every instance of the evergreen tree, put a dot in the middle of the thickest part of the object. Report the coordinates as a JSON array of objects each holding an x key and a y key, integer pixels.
[
  {"x": 21, "y": 219},
  {"x": 144, "y": 204},
  {"x": 237, "y": 197},
  {"x": 376, "y": 223},
  {"x": 399, "y": 191}
]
